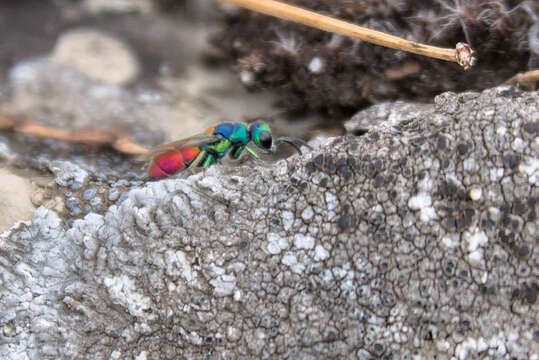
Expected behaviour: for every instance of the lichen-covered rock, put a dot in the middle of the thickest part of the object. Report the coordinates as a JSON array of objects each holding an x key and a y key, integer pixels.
[
  {"x": 390, "y": 113},
  {"x": 415, "y": 240}
]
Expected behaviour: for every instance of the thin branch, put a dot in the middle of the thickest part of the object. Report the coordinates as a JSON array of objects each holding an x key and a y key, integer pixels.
[
  {"x": 93, "y": 137},
  {"x": 462, "y": 54},
  {"x": 527, "y": 80}
]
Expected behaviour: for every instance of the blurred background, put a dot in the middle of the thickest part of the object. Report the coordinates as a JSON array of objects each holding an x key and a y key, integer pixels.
[
  {"x": 217, "y": 62},
  {"x": 147, "y": 47}
]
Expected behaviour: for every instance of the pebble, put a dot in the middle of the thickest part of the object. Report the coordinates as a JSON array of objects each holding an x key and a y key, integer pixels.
[
  {"x": 118, "y": 6},
  {"x": 98, "y": 55}
]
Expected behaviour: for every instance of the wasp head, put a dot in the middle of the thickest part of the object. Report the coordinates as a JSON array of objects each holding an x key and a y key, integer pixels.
[{"x": 261, "y": 135}]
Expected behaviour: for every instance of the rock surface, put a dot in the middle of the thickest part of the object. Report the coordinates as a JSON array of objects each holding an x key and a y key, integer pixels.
[
  {"x": 417, "y": 239},
  {"x": 15, "y": 196},
  {"x": 100, "y": 56}
]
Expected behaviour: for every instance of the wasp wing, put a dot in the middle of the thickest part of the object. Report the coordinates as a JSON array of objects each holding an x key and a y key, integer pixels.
[{"x": 193, "y": 141}]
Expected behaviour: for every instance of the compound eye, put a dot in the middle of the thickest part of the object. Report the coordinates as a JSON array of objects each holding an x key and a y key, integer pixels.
[{"x": 265, "y": 139}]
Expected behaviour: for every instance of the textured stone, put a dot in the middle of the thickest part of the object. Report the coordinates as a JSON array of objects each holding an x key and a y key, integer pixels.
[{"x": 225, "y": 264}]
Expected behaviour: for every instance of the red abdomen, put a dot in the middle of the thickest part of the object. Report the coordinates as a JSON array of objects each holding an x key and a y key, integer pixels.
[{"x": 166, "y": 164}]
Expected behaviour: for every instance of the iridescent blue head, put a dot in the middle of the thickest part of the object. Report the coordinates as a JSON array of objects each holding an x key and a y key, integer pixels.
[{"x": 261, "y": 135}]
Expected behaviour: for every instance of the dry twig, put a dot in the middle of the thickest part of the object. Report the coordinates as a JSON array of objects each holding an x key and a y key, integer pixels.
[
  {"x": 527, "y": 80},
  {"x": 462, "y": 54},
  {"x": 93, "y": 137}
]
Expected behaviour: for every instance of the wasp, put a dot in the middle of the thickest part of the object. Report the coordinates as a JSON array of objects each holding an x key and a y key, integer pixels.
[{"x": 207, "y": 148}]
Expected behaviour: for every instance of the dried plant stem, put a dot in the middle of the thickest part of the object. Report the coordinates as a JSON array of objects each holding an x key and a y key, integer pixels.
[
  {"x": 527, "y": 80},
  {"x": 93, "y": 137},
  {"x": 313, "y": 19}
]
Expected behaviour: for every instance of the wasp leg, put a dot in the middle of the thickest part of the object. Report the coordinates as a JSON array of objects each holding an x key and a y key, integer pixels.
[
  {"x": 209, "y": 161},
  {"x": 197, "y": 160},
  {"x": 252, "y": 152},
  {"x": 236, "y": 152}
]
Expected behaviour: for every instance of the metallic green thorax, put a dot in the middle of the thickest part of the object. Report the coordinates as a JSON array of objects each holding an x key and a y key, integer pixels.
[
  {"x": 232, "y": 136},
  {"x": 219, "y": 149},
  {"x": 240, "y": 135}
]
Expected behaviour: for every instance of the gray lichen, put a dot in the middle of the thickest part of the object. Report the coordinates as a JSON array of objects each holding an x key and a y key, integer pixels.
[{"x": 416, "y": 239}]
